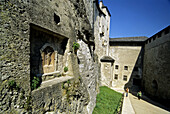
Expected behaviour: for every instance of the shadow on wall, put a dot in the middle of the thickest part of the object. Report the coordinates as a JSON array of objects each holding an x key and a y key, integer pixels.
[
  {"x": 135, "y": 80},
  {"x": 135, "y": 85}
]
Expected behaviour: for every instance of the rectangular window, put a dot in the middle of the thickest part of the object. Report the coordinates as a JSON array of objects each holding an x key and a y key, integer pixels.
[
  {"x": 116, "y": 66},
  {"x": 125, "y": 78},
  {"x": 125, "y": 67},
  {"x": 116, "y": 76}
]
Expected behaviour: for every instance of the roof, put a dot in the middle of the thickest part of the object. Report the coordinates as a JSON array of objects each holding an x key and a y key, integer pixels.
[
  {"x": 107, "y": 59},
  {"x": 97, "y": 5},
  {"x": 129, "y": 39},
  {"x": 107, "y": 10}
]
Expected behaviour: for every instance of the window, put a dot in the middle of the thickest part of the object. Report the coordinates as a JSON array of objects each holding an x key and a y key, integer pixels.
[
  {"x": 116, "y": 76},
  {"x": 56, "y": 19},
  {"x": 116, "y": 66},
  {"x": 125, "y": 78},
  {"x": 125, "y": 67}
]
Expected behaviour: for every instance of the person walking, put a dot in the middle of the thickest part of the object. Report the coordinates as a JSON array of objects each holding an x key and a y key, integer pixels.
[
  {"x": 127, "y": 91},
  {"x": 139, "y": 95}
]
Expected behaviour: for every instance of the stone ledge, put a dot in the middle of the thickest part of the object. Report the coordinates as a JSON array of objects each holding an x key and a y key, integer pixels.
[
  {"x": 54, "y": 81},
  {"x": 51, "y": 73}
]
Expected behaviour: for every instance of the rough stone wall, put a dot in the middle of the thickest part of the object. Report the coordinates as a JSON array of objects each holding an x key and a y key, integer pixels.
[
  {"x": 66, "y": 18},
  {"x": 14, "y": 56},
  {"x": 89, "y": 10},
  {"x": 156, "y": 74},
  {"x": 105, "y": 27},
  {"x": 65, "y": 95},
  {"x": 101, "y": 32},
  {"x": 89, "y": 71}
]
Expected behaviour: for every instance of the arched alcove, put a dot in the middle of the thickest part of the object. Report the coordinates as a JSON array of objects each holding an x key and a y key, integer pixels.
[
  {"x": 154, "y": 87},
  {"x": 48, "y": 59},
  {"x": 154, "y": 84}
]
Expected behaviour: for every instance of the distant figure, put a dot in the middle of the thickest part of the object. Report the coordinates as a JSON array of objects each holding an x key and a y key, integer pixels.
[
  {"x": 127, "y": 91},
  {"x": 139, "y": 95}
]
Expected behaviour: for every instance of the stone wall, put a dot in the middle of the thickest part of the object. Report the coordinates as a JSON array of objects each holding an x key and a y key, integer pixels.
[
  {"x": 26, "y": 26},
  {"x": 60, "y": 96},
  {"x": 89, "y": 72},
  {"x": 156, "y": 74},
  {"x": 101, "y": 30},
  {"x": 107, "y": 73},
  {"x": 128, "y": 66},
  {"x": 123, "y": 56},
  {"x": 14, "y": 56},
  {"x": 89, "y": 5}
]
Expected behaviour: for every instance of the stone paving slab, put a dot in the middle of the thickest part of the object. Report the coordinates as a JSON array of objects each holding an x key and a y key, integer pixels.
[
  {"x": 144, "y": 107},
  {"x": 127, "y": 106}
]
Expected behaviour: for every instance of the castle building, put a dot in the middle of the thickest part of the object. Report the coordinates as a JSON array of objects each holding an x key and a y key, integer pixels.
[
  {"x": 156, "y": 66},
  {"x": 54, "y": 55},
  {"x": 128, "y": 55}
]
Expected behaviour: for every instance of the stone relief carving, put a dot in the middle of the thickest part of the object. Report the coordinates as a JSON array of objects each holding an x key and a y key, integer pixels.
[{"x": 48, "y": 59}]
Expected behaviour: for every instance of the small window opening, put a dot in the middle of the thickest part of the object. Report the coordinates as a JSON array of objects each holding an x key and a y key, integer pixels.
[
  {"x": 116, "y": 66},
  {"x": 125, "y": 67},
  {"x": 125, "y": 78},
  {"x": 56, "y": 19},
  {"x": 116, "y": 76}
]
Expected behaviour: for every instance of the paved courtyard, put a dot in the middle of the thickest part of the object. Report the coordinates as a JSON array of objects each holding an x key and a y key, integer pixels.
[{"x": 134, "y": 106}]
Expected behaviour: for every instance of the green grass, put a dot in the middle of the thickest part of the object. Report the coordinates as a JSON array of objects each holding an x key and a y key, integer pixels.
[{"x": 107, "y": 101}]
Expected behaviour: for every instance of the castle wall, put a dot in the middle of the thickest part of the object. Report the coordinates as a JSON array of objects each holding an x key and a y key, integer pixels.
[
  {"x": 26, "y": 27},
  {"x": 106, "y": 74},
  {"x": 101, "y": 31},
  {"x": 89, "y": 5},
  {"x": 124, "y": 56},
  {"x": 156, "y": 74}
]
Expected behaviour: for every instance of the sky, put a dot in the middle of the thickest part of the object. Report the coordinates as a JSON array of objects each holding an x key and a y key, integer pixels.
[{"x": 137, "y": 17}]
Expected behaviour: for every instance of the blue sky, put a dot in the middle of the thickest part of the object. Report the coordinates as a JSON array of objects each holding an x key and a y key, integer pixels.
[{"x": 137, "y": 17}]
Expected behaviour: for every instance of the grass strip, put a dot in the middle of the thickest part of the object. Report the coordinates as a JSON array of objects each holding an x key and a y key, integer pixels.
[{"x": 107, "y": 101}]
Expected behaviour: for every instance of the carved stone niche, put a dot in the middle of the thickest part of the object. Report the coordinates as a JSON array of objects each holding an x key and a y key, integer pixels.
[
  {"x": 48, "y": 66},
  {"x": 48, "y": 56}
]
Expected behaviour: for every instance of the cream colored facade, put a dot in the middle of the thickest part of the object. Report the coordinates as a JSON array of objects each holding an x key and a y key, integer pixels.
[
  {"x": 125, "y": 58},
  {"x": 101, "y": 31}
]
